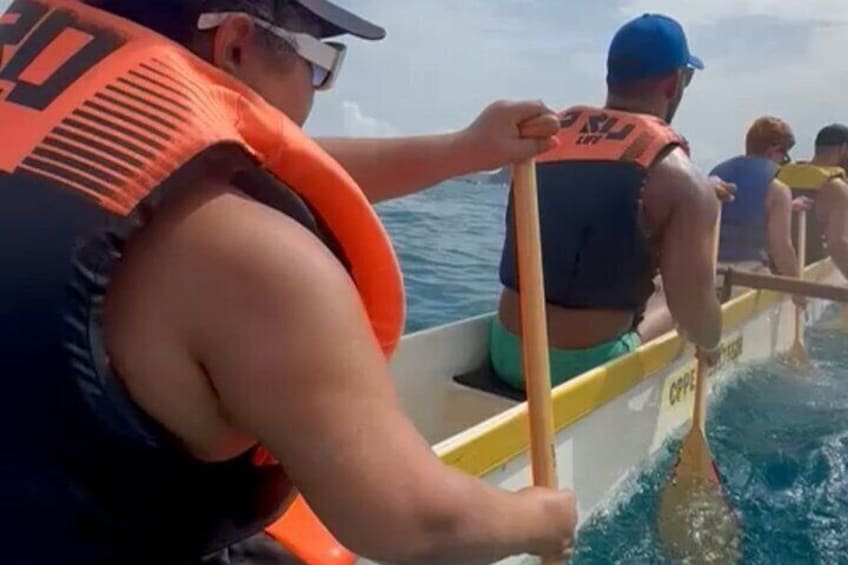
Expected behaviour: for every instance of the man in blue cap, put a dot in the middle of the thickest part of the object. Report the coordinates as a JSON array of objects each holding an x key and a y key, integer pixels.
[
  {"x": 649, "y": 66},
  {"x": 619, "y": 201}
]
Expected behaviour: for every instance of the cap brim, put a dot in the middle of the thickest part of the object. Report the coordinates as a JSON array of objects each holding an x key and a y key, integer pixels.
[
  {"x": 340, "y": 21},
  {"x": 695, "y": 63}
]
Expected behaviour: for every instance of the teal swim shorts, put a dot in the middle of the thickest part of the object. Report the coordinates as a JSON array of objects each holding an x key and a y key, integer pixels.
[{"x": 505, "y": 354}]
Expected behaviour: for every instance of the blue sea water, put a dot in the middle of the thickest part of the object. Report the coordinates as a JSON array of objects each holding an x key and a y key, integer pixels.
[
  {"x": 780, "y": 439},
  {"x": 449, "y": 241}
]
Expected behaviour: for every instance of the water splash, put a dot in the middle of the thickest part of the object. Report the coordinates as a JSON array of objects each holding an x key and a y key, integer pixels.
[
  {"x": 696, "y": 524},
  {"x": 781, "y": 443}
]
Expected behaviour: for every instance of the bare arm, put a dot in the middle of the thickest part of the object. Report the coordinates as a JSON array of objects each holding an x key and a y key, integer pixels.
[
  {"x": 835, "y": 200},
  {"x": 294, "y": 363},
  {"x": 388, "y": 168},
  {"x": 658, "y": 320},
  {"x": 683, "y": 203},
  {"x": 779, "y": 229}
]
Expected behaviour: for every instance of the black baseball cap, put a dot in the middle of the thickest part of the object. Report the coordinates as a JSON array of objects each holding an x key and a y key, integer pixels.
[
  {"x": 339, "y": 21},
  {"x": 833, "y": 135},
  {"x": 335, "y": 20}
]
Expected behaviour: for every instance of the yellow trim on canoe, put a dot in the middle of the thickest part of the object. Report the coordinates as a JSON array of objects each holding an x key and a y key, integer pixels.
[{"x": 581, "y": 396}]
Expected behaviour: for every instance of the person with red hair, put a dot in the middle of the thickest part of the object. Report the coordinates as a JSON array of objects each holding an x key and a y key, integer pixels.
[{"x": 756, "y": 226}]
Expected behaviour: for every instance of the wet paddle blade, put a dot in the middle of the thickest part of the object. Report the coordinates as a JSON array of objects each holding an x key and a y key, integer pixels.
[
  {"x": 797, "y": 357},
  {"x": 696, "y": 523}
]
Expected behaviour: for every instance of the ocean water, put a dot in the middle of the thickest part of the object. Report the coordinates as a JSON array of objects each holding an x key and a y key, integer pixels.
[
  {"x": 448, "y": 240},
  {"x": 780, "y": 439}
]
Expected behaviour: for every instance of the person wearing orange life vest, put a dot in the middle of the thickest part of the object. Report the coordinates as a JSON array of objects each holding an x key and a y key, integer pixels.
[
  {"x": 198, "y": 301},
  {"x": 618, "y": 198},
  {"x": 823, "y": 180}
]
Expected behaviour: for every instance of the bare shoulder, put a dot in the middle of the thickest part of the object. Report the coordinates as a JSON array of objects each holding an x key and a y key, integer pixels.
[
  {"x": 263, "y": 272},
  {"x": 675, "y": 183},
  {"x": 778, "y": 184},
  {"x": 200, "y": 271},
  {"x": 676, "y": 171},
  {"x": 835, "y": 188},
  {"x": 778, "y": 189},
  {"x": 214, "y": 238}
]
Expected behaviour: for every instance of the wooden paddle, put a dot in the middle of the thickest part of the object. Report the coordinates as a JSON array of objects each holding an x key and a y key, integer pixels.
[
  {"x": 696, "y": 523},
  {"x": 534, "y": 330},
  {"x": 788, "y": 285},
  {"x": 797, "y": 355}
]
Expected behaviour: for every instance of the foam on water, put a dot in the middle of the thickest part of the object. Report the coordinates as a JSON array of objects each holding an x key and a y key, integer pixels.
[{"x": 781, "y": 441}]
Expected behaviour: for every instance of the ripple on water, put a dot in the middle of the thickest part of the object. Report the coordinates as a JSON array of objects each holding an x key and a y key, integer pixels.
[
  {"x": 781, "y": 442},
  {"x": 448, "y": 241}
]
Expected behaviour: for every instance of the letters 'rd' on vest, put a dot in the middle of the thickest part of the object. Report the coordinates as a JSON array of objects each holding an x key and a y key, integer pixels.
[{"x": 592, "y": 134}]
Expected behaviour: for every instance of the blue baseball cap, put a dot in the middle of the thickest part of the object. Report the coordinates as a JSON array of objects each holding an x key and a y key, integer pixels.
[{"x": 650, "y": 45}]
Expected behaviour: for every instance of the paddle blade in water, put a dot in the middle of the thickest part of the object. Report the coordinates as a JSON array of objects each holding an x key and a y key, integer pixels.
[
  {"x": 797, "y": 357},
  {"x": 696, "y": 522}
]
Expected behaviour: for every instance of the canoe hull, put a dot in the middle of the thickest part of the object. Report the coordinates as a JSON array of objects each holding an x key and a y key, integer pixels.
[{"x": 610, "y": 422}]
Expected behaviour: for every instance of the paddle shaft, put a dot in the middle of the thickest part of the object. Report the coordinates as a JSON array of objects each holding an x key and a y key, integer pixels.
[
  {"x": 695, "y": 520},
  {"x": 534, "y": 331},
  {"x": 698, "y": 411},
  {"x": 699, "y": 415},
  {"x": 788, "y": 285},
  {"x": 802, "y": 263}
]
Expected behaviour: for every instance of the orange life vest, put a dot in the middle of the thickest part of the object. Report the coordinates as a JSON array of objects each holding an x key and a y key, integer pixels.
[
  {"x": 594, "y": 134},
  {"x": 106, "y": 109},
  {"x": 99, "y": 70},
  {"x": 596, "y": 252}
]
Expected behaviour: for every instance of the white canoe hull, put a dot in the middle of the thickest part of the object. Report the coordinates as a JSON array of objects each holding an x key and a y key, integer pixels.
[{"x": 609, "y": 422}]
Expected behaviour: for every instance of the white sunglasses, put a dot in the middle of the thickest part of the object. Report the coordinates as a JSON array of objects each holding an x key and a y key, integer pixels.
[{"x": 325, "y": 58}]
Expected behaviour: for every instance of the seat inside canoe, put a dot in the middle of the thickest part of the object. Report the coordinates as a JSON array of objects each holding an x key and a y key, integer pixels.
[{"x": 484, "y": 379}]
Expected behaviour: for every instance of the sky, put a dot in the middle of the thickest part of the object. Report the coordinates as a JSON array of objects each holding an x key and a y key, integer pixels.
[{"x": 443, "y": 61}]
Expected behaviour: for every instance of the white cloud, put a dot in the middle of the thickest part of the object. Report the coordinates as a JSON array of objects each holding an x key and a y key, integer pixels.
[
  {"x": 445, "y": 60},
  {"x": 357, "y": 124},
  {"x": 711, "y": 11},
  {"x": 801, "y": 86}
]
